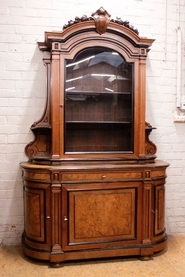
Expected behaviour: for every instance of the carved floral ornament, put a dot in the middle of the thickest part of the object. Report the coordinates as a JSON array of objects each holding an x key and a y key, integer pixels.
[{"x": 102, "y": 19}]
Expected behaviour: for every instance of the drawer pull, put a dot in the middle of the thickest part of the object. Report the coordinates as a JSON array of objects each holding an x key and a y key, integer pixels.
[
  {"x": 103, "y": 176},
  {"x": 65, "y": 218},
  {"x": 47, "y": 216}
]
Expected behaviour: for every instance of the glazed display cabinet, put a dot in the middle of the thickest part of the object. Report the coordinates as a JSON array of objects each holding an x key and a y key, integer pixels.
[{"x": 93, "y": 187}]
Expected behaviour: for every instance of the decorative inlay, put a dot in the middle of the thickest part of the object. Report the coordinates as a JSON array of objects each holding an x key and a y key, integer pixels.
[
  {"x": 143, "y": 51},
  {"x": 147, "y": 174},
  {"x": 55, "y": 177}
]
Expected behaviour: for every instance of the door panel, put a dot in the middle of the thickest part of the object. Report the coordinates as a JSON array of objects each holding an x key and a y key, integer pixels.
[
  {"x": 102, "y": 216},
  {"x": 37, "y": 214},
  {"x": 34, "y": 209},
  {"x": 159, "y": 209}
]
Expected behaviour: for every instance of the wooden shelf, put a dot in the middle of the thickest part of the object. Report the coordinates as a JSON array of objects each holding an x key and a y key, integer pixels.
[
  {"x": 99, "y": 122},
  {"x": 97, "y": 93}
]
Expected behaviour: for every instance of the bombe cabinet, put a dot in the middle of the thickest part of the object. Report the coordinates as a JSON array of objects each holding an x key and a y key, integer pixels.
[{"x": 93, "y": 187}]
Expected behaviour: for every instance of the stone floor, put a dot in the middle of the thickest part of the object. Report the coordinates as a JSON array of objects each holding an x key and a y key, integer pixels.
[{"x": 168, "y": 263}]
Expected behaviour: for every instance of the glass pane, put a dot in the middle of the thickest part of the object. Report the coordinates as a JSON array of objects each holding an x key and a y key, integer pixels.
[{"x": 98, "y": 102}]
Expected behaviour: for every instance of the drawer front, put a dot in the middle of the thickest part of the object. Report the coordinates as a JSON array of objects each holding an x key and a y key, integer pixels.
[
  {"x": 101, "y": 176},
  {"x": 36, "y": 175}
]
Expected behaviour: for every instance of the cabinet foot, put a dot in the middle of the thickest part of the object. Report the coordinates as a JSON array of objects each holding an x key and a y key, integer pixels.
[
  {"x": 145, "y": 258},
  {"x": 56, "y": 265}
]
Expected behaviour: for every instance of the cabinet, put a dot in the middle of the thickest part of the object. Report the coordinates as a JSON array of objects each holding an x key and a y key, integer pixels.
[{"x": 92, "y": 185}]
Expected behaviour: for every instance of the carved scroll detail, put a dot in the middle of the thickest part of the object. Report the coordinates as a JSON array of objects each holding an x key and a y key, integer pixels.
[
  {"x": 41, "y": 129},
  {"x": 150, "y": 147},
  {"x": 40, "y": 146},
  {"x": 77, "y": 20},
  {"x": 125, "y": 23}
]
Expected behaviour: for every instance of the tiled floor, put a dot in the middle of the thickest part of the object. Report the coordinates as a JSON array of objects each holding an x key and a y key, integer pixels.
[{"x": 168, "y": 263}]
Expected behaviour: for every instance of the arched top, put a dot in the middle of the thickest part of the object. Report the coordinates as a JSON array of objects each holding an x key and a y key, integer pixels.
[{"x": 99, "y": 25}]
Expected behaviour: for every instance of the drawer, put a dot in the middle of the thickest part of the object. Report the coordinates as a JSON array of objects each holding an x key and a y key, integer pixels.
[
  {"x": 101, "y": 176},
  {"x": 36, "y": 175}
]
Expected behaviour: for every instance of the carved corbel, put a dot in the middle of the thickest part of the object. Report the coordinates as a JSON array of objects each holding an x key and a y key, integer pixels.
[{"x": 150, "y": 147}]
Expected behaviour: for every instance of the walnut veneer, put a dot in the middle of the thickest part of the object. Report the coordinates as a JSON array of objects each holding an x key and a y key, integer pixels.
[{"x": 92, "y": 185}]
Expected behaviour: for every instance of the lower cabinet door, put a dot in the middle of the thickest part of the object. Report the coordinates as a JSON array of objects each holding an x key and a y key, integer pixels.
[
  {"x": 101, "y": 215},
  {"x": 37, "y": 215},
  {"x": 159, "y": 209}
]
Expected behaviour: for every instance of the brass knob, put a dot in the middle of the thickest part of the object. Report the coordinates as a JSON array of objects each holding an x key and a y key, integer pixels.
[
  {"x": 65, "y": 218},
  {"x": 47, "y": 216},
  {"x": 103, "y": 176}
]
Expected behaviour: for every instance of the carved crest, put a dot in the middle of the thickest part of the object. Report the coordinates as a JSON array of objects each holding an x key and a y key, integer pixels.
[{"x": 101, "y": 18}]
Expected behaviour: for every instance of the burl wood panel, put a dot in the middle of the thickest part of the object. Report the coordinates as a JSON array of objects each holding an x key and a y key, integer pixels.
[
  {"x": 159, "y": 209},
  {"x": 102, "y": 215},
  {"x": 34, "y": 213}
]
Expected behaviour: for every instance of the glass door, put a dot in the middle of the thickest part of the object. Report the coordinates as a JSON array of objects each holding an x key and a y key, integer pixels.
[{"x": 99, "y": 103}]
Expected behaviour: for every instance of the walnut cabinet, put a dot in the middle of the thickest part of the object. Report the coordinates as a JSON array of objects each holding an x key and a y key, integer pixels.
[{"x": 93, "y": 187}]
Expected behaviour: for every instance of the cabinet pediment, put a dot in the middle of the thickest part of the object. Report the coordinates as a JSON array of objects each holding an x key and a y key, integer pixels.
[{"x": 96, "y": 28}]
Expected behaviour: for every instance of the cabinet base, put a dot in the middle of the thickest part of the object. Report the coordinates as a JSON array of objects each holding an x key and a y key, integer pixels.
[{"x": 57, "y": 259}]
